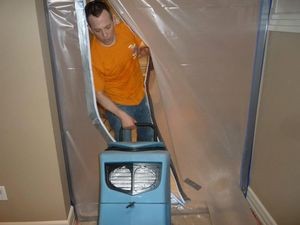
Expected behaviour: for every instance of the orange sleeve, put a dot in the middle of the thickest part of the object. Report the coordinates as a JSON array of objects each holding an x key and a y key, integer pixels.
[
  {"x": 136, "y": 38},
  {"x": 98, "y": 80}
]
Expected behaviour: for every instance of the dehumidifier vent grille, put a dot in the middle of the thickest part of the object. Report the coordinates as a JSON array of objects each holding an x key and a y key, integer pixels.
[{"x": 133, "y": 178}]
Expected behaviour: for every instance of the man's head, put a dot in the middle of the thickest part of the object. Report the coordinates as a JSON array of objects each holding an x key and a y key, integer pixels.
[{"x": 100, "y": 21}]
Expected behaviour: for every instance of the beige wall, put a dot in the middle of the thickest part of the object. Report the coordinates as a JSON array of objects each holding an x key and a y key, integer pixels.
[
  {"x": 276, "y": 160},
  {"x": 31, "y": 163}
]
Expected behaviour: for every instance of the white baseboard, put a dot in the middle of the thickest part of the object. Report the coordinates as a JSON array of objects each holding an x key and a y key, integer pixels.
[
  {"x": 69, "y": 221},
  {"x": 287, "y": 22},
  {"x": 260, "y": 211}
]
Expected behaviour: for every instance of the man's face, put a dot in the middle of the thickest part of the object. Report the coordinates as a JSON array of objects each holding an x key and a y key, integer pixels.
[{"x": 103, "y": 28}]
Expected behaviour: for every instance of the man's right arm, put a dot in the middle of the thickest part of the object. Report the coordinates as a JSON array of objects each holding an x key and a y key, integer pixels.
[{"x": 126, "y": 120}]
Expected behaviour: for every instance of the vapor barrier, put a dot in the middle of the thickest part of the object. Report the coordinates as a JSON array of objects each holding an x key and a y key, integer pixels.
[
  {"x": 82, "y": 139},
  {"x": 203, "y": 55}
]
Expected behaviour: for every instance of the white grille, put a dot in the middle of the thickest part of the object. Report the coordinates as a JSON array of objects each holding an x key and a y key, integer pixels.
[{"x": 135, "y": 178}]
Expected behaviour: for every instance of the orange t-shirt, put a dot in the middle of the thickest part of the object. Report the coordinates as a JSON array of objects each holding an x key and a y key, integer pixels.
[{"x": 116, "y": 72}]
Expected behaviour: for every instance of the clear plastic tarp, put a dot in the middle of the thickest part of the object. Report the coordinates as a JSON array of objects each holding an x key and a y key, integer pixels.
[{"x": 203, "y": 55}]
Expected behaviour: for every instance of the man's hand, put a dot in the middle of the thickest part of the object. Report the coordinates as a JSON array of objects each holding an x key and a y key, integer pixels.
[
  {"x": 143, "y": 50},
  {"x": 139, "y": 51},
  {"x": 127, "y": 121}
]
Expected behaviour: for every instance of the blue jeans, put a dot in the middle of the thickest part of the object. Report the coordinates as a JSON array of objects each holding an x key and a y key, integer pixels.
[{"x": 141, "y": 113}]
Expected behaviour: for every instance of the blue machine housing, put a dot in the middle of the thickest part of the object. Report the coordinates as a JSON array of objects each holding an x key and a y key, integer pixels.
[{"x": 152, "y": 207}]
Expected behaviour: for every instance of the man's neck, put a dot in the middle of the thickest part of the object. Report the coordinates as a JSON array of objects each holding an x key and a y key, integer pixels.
[{"x": 108, "y": 45}]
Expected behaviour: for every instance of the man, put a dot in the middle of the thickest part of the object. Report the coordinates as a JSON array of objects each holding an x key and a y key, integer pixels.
[{"x": 118, "y": 78}]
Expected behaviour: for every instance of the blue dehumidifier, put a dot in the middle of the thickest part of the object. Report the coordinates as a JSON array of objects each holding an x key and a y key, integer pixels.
[{"x": 135, "y": 184}]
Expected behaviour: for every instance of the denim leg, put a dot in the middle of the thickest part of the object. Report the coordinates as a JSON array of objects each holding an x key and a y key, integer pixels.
[
  {"x": 141, "y": 113},
  {"x": 114, "y": 123}
]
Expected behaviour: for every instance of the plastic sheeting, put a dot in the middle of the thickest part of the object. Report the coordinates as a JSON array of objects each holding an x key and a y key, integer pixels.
[
  {"x": 82, "y": 141},
  {"x": 203, "y": 55}
]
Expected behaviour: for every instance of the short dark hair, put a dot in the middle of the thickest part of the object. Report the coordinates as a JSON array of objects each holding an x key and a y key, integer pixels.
[{"x": 95, "y": 8}]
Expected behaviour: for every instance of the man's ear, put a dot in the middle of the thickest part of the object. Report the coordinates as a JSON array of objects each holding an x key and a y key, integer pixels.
[
  {"x": 115, "y": 20},
  {"x": 90, "y": 29}
]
